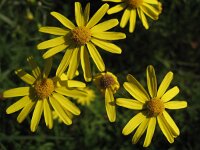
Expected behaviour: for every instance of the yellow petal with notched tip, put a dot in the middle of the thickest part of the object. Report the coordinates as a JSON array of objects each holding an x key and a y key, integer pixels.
[
  {"x": 109, "y": 35},
  {"x": 175, "y": 104},
  {"x": 125, "y": 18},
  {"x": 48, "y": 114},
  {"x": 170, "y": 94},
  {"x": 132, "y": 21},
  {"x": 79, "y": 16},
  {"x": 54, "y": 30},
  {"x": 129, "y": 103},
  {"x": 151, "y": 81},
  {"x": 15, "y": 92},
  {"x": 117, "y": 8}
]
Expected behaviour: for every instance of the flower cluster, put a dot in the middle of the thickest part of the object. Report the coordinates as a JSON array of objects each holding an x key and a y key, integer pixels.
[{"x": 80, "y": 42}]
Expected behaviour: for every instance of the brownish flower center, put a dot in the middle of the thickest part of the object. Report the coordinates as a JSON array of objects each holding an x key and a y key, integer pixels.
[
  {"x": 106, "y": 81},
  {"x": 155, "y": 107},
  {"x": 81, "y": 35},
  {"x": 44, "y": 88},
  {"x": 134, "y": 3}
]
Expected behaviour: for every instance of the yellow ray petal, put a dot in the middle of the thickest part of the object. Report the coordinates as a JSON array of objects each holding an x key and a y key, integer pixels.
[
  {"x": 133, "y": 123},
  {"x": 150, "y": 11},
  {"x": 70, "y": 93},
  {"x": 117, "y": 8},
  {"x": 15, "y": 92},
  {"x": 87, "y": 13},
  {"x": 96, "y": 57},
  {"x": 132, "y": 21},
  {"x": 110, "y": 105},
  {"x": 150, "y": 131},
  {"x": 155, "y": 2},
  {"x": 48, "y": 114},
  {"x": 36, "y": 115},
  {"x": 25, "y": 111},
  {"x": 51, "y": 43},
  {"x": 151, "y": 81},
  {"x": 85, "y": 63},
  {"x": 54, "y": 30},
  {"x": 175, "y": 104},
  {"x": 165, "y": 84},
  {"x": 104, "y": 26},
  {"x": 172, "y": 125},
  {"x": 65, "y": 61},
  {"x": 67, "y": 104},
  {"x": 170, "y": 94},
  {"x": 47, "y": 67},
  {"x": 66, "y": 22},
  {"x": 112, "y": 48},
  {"x": 79, "y": 16},
  {"x": 18, "y": 105},
  {"x": 125, "y": 18},
  {"x": 143, "y": 18},
  {"x": 74, "y": 83},
  {"x": 59, "y": 110},
  {"x": 54, "y": 51},
  {"x": 164, "y": 129},
  {"x": 129, "y": 103},
  {"x": 97, "y": 16},
  {"x": 110, "y": 35},
  {"x": 25, "y": 76},
  {"x": 35, "y": 68},
  {"x": 74, "y": 63},
  {"x": 140, "y": 131}
]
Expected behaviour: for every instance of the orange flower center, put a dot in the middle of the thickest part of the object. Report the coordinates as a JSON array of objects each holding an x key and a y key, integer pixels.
[
  {"x": 81, "y": 35},
  {"x": 44, "y": 88},
  {"x": 155, "y": 107},
  {"x": 106, "y": 81},
  {"x": 134, "y": 3}
]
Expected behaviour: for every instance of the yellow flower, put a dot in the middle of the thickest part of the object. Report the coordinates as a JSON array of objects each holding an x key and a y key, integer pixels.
[
  {"x": 44, "y": 94},
  {"x": 86, "y": 100},
  {"x": 56, "y": 116},
  {"x": 151, "y": 8},
  {"x": 79, "y": 41},
  {"x": 152, "y": 107},
  {"x": 108, "y": 85}
]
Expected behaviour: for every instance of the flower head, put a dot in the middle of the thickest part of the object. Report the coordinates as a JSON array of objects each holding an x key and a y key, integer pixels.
[
  {"x": 44, "y": 94},
  {"x": 151, "y": 8},
  {"x": 108, "y": 85},
  {"x": 79, "y": 41},
  {"x": 152, "y": 106}
]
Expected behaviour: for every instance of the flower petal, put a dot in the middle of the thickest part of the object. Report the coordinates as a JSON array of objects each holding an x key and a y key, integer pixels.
[
  {"x": 109, "y": 35},
  {"x": 143, "y": 18},
  {"x": 66, "y": 22},
  {"x": 165, "y": 84},
  {"x": 96, "y": 57},
  {"x": 173, "y": 127},
  {"x": 25, "y": 76},
  {"x": 129, "y": 103},
  {"x": 85, "y": 63},
  {"x": 48, "y": 114},
  {"x": 154, "y": 2},
  {"x": 54, "y": 30},
  {"x": 79, "y": 16},
  {"x": 150, "y": 11},
  {"x": 47, "y": 67},
  {"x": 112, "y": 48},
  {"x": 60, "y": 111},
  {"x": 54, "y": 51},
  {"x": 35, "y": 68},
  {"x": 70, "y": 93},
  {"x": 132, "y": 21},
  {"x": 67, "y": 104},
  {"x": 104, "y": 26},
  {"x": 15, "y": 92},
  {"x": 36, "y": 115},
  {"x": 51, "y": 43},
  {"x": 150, "y": 131},
  {"x": 133, "y": 123},
  {"x": 97, "y": 16},
  {"x": 163, "y": 126},
  {"x": 18, "y": 105},
  {"x": 125, "y": 18},
  {"x": 87, "y": 13},
  {"x": 117, "y": 8},
  {"x": 151, "y": 81},
  {"x": 170, "y": 94},
  {"x": 110, "y": 105},
  {"x": 175, "y": 104}
]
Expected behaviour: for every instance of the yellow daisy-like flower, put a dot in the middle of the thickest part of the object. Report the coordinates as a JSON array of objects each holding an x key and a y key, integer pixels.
[
  {"x": 44, "y": 94},
  {"x": 152, "y": 106},
  {"x": 79, "y": 41},
  {"x": 86, "y": 100},
  {"x": 108, "y": 85},
  {"x": 151, "y": 8}
]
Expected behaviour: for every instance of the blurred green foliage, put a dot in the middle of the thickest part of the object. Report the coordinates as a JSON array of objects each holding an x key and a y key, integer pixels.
[{"x": 171, "y": 43}]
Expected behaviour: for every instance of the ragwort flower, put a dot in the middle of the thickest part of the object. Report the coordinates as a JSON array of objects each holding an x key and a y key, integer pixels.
[
  {"x": 152, "y": 106},
  {"x": 79, "y": 41},
  {"x": 151, "y": 8},
  {"x": 108, "y": 85},
  {"x": 44, "y": 94}
]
